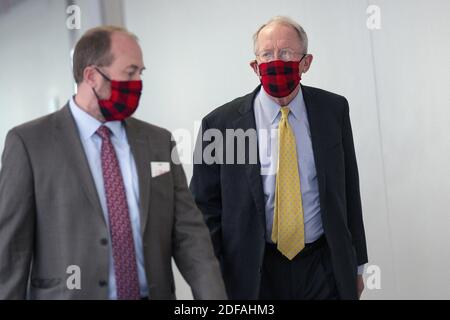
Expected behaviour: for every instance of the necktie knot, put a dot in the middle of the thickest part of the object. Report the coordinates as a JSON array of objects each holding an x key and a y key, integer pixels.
[
  {"x": 285, "y": 112},
  {"x": 103, "y": 132}
]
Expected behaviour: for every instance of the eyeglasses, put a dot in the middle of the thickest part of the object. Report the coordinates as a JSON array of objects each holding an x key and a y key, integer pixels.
[{"x": 283, "y": 54}]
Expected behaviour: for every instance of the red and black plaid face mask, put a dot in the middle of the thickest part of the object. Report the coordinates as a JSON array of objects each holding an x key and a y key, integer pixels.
[
  {"x": 279, "y": 78},
  {"x": 123, "y": 101}
]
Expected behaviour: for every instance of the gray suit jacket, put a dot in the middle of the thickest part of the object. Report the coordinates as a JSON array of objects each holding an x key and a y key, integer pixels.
[{"x": 51, "y": 217}]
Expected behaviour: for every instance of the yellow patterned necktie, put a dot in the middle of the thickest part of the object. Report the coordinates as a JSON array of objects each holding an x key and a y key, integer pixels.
[{"x": 288, "y": 225}]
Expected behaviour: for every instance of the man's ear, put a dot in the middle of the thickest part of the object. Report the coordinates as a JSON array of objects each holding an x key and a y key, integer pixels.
[
  {"x": 307, "y": 60},
  {"x": 90, "y": 76},
  {"x": 254, "y": 66}
]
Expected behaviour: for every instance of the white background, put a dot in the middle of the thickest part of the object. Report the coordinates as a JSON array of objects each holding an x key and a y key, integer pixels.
[{"x": 197, "y": 54}]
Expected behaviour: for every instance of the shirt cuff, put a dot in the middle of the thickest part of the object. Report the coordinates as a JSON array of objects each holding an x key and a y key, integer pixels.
[{"x": 361, "y": 269}]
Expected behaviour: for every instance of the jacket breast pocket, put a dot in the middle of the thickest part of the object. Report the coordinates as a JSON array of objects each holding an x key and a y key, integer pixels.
[
  {"x": 162, "y": 181},
  {"x": 162, "y": 189}
]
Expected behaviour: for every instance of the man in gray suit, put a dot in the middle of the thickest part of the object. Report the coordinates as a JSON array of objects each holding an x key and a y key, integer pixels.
[{"x": 92, "y": 203}]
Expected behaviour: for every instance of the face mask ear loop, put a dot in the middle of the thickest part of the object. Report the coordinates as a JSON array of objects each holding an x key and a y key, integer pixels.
[
  {"x": 95, "y": 92},
  {"x": 304, "y": 55},
  {"x": 104, "y": 77},
  {"x": 102, "y": 74},
  {"x": 257, "y": 69}
]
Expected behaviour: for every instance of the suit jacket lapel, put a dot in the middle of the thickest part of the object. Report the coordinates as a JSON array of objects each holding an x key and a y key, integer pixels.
[
  {"x": 253, "y": 171},
  {"x": 142, "y": 154},
  {"x": 68, "y": 139},
  {"x": 314, "y": 118}
]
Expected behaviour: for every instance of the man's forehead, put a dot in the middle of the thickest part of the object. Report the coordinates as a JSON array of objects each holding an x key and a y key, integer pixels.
[
  {"x": 123, "y": 41},
  {"x": 279, "y": 33},
  {"x": 126, "y": 50},
  {"x": 278, "y": 30}
]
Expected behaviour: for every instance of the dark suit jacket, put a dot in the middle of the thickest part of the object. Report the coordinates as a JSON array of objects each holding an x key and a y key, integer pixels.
[
  {"x": 51, "y": 217},
  {"x": 232, "y": 200}
]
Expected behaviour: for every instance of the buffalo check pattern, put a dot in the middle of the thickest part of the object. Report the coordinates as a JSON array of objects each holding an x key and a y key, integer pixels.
[
  {"x": 280, "y": 77},
  {"x": 124, "y": 100}
]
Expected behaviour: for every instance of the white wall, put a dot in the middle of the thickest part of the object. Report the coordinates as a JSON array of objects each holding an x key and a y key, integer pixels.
[
  {"x": 395, "y": 78},
  {"x": 35, "y": 66},
  {"x": 411, "y": 71},
  {"x": 197, "y": 54}
]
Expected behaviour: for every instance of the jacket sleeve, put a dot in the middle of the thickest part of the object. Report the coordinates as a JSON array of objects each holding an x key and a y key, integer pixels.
[
  {"x": 354, "y": 208},
  {"x": 192, "y": 248},
  {"x": 17, "y": 218},
  {"x": 206, "y": 189}
]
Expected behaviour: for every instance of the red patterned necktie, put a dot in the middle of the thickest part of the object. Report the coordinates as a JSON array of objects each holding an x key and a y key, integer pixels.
[{"x": 124, "y": 256}]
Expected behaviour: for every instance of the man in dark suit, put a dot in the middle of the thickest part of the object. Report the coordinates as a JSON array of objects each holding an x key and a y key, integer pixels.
[
  {"x": 281, "y": 194},
  {"x": 92, "y": 204}
]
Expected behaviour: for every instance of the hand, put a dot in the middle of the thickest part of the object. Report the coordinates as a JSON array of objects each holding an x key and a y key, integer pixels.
[{"x": 359, "y": 285}]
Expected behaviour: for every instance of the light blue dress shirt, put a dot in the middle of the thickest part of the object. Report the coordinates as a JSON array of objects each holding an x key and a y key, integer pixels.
[
  {"x": 267, "y": 116},
  {"x": 87, "y": 127}
]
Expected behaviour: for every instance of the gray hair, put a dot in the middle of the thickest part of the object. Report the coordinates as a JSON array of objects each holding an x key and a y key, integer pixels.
[{"x": 288, "y": 22}]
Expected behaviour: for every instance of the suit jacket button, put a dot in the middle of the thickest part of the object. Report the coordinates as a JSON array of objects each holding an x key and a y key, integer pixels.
[
  {"x": 104, "y": 241},
  {"x": 102, "y": 283}
]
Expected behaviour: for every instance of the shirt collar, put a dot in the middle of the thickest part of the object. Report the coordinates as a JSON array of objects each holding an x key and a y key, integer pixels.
[
  {"x": 273, "y": 108},
  {"x": 88, "y": 125}
]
